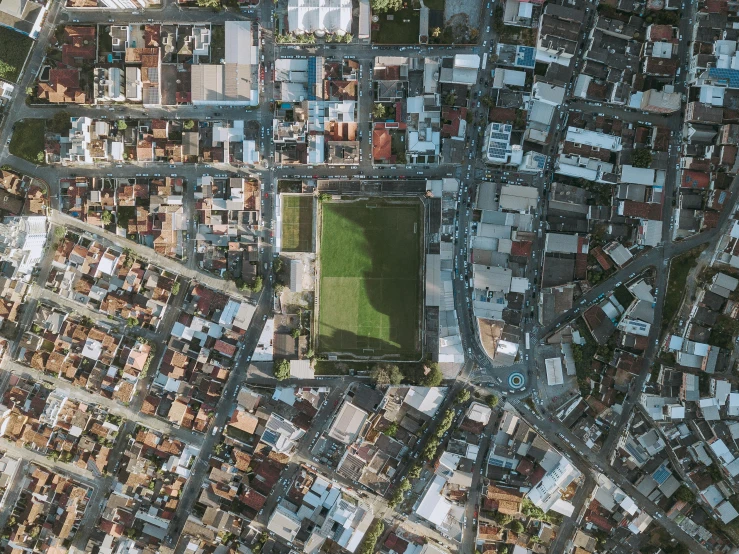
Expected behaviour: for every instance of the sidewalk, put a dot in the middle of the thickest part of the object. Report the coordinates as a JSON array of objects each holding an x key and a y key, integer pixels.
[{"x": 150, "y": 255}]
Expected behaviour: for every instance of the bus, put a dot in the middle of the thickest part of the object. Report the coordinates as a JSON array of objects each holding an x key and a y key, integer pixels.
[
  {"x": 484, "y": 61},
  {"x": 528, "y": 338}
]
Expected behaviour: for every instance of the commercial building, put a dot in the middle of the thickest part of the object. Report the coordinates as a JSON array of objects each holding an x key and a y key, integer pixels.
[
  {"x": 348, "y": 423},
  {"x": 235, "y": 83},
  {"x": 497, "y": 146},
  {"x": 322, "y": 16}
]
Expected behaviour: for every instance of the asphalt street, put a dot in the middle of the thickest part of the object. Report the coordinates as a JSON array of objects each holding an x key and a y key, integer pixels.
[{"x": 478, "y": 368}]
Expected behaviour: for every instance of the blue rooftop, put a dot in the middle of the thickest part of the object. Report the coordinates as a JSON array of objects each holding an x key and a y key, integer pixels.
[{"x": 729, "y": 77}]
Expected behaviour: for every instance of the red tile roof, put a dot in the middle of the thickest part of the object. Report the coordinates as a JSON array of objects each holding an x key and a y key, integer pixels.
[
  {"x": 644, "y": 210},
  {"x": 79, "y": 45},
  {"x": 253, "y": 499},
  {"x": 661, "y": 66},
  {"x": 381, "y": 145},
  {"x": 660, "y": 33},
  {"x": 521, "y": 248},
  {"x": 694, "y": 180},
  {"x": 225, "y": 348},
  {"x": 600, "y": 257}
]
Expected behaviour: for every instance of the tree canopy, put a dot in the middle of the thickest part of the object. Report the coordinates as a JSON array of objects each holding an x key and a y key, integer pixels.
[
  {"x": 282, "y": 370},
  {"x": 462, "y": 397},
  {"x": 434, "y": 377},
  {"x": 382, "y": 6},
  {"x": 685, "y": 494},
  {"x": 379, "y": 111},
  {"x": 517, "y": 526},
  {"x": 6, "y": 70},
  {"x": 215, "y": 4},
  {"x": 642, "y": 158},
  {"x": 370, "y": 537},
  {"x": 386, "y": 374}
]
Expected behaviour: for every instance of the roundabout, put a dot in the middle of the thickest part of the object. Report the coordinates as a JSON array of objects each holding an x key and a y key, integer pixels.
[{"x": 516, "y": 380}]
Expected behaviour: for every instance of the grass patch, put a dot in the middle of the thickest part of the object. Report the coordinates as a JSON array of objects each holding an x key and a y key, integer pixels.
[
  {"x": 28, "y": 140},
  {"x": 218, "y": 44},
  {"x": 14, "y": 48},
  {"x": 403, "y": 29},
  {"x": 325, "y": 367},
  {"x": 125, "y": 214},
  {"x": 369, "y": 285},
  {"x": 679, "y": 269},
  {"x": 297, "y": 223},
  {"x": 285, "y": 185}
]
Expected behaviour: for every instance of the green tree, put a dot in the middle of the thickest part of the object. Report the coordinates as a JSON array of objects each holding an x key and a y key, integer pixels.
[
  {"x": 122, "y": 125},
  {"x": 382, "y": 6},
  {"x": 40, "y": 158},
  {"x": 215, "y": 4},
  {"x": 462, "y": 397},
  {"x": 189, "y": 124},
  {"x": 132, "y": 322},
  {"x": 371, "y": 536},
  {"x": 295, "y": 333},
  {"x": 258, "y": 285},
  {"x": 6, "y": 70},
  {"x": 277, "y": 265},
  {"x": 429, "y": 451},
  {"x": 642, "y": 157},
  {"x": 502, "y": 519},
  {"x": 685, "y": 494},
  {"x": 391, "y": 430},
  {"x": 386, "y": 374},
  {"x": 282, "y": 370},
  {"x": 379, "y": 111},
  {"x": 396, "y": 498},
  {"x": 59, "y": 123},
  {"x": 492, "y": 401},
  {"x": 59, "y": 232},
  {"x": 434, "y": 377},
  {"x": 176, "y": 288},
  {"x": 106, "y": 217},
  {"x": 324, "y": 197},
  {"x": 414, "y": 472},
  {"x": 516, "y": 526}
]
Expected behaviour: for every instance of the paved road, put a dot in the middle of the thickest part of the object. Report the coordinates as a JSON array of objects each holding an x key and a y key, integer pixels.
[
  {"x": 468, "y": 173},
  {"x": 587, "y": 461}
]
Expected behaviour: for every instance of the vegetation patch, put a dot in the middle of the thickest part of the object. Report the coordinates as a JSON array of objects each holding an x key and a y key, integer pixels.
[
  {"x": 297, "y": 223},
  {"x": 28, "y": 140},
  {"x": 403, "y": 28},
  {"x": 679, "y": 270},
  {"x": 14, "y": 48},
  {"x": 369, "y": 278}
]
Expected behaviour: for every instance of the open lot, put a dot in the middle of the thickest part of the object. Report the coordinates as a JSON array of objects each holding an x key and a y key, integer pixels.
[
  {"x": 369, "y": 278},
  {"x": 297, "y": 223},
  {"x": 14, "y": 48},
  {"x": 28, "y": 140},
  {"x": 401, "y": 29},
  {"x": 679, "y": 269}
]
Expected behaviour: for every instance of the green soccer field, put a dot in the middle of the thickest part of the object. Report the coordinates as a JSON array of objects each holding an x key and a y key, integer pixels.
[
  {"x": 369, "y": 288},
  {"x": 297, "y": 223}
]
